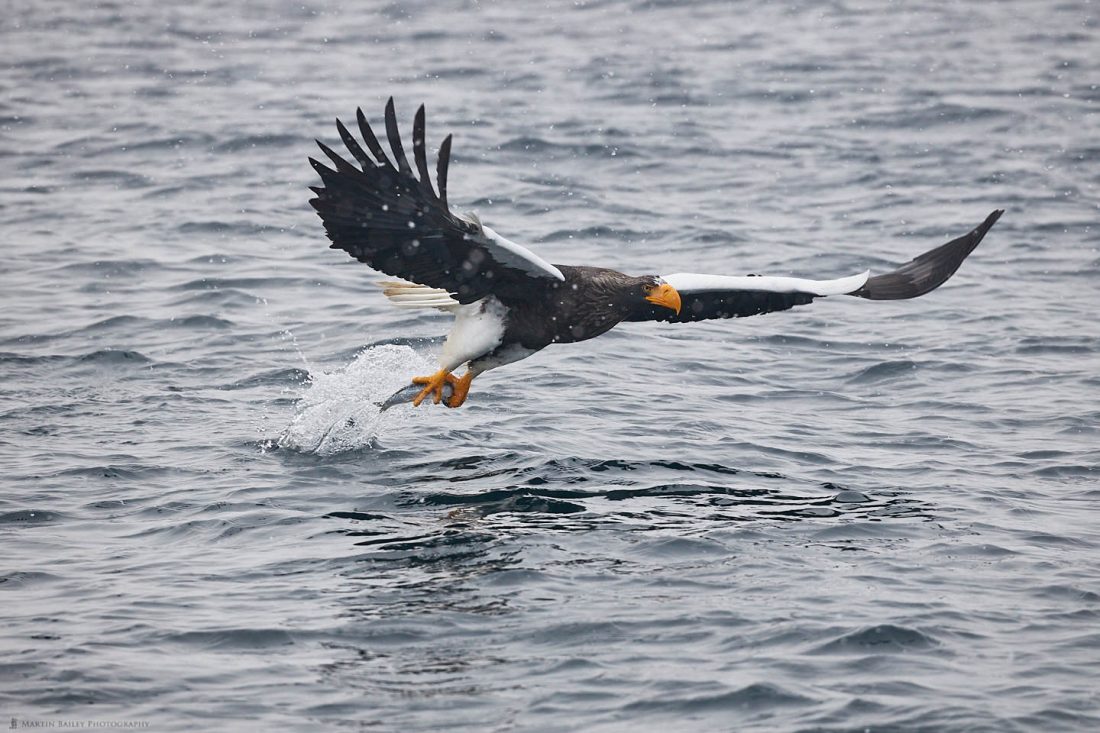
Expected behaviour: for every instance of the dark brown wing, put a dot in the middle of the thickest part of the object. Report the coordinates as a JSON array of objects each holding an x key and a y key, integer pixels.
[
  {"x": 722, "y": 296},
  {"x": 383, "y": 215}
]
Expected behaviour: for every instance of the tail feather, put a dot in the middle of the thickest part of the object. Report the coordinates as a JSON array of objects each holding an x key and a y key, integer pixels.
[{"x": 410, "y": 295}]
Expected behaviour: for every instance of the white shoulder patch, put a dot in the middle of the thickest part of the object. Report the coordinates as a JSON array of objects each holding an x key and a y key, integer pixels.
[
  {"x": 689, "y": 282},
  {"x": 514, "y": 255}
]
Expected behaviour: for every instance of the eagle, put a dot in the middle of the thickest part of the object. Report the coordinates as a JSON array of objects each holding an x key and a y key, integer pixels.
[{"x": 508, "y": 302}]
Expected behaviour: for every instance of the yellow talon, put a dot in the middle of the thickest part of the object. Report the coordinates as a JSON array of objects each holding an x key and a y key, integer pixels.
[
  {"x": 433, "y": 386},
  {"x": 461, "y": 387}
]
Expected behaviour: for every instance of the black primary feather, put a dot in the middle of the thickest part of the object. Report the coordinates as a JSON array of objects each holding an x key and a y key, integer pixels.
[
  {"x": 420, "y": 153},
  {"x": 394, "y": 136},
  {"x": 371, "y": 140},
  {"x": 441, "y": 169},
  {"x": 389, "y": 219},
  {"x": 350, "y": 143}
]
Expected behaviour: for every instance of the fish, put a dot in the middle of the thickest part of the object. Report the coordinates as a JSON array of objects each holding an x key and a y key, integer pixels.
[{"x": 407, "y": 394}]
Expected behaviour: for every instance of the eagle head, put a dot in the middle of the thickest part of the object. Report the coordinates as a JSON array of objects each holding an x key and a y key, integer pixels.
[{"x": 657, "y": 291}]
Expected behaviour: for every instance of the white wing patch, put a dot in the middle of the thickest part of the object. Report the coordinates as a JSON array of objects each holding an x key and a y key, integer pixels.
[
  {"x": 514, "y": 255},
  {"x": 689, "y": 282}
]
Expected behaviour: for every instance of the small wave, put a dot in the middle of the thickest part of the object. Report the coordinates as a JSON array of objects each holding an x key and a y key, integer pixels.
[
  {"x": 257, "y": 141},
  {"x": 175, "y": 142},
  {"x": 594, "y": 233},
  {"x": 496, "y": 502},
  {"x": 214, "y": 226},
  {"x": 1056, "y": 345},
  {"x": 752, "y": 697},
  {"x": 940, "y": 113},
  {"x": 357, "y": 516},
  {"x": 114, "y": 356},
  {"x": 455, "y": 72},
  {"x": 223, "y": 298},
  {"x": 882, "y": 638},
  {"x": 242, "y": 638},
  {"x": 108, "y": 268},
  {"x": 276, "y": 377},
  {"x": 29, "y": 517},
  {"x": 20, "y": 579},
  {"x": 528, "y": 144},
  {"x": 217, "y": 283},
  {"x": 118, "y": 179},
  {"x": 124, "y": 471},
  {"x": 198, "y": 322},
  {"x": 128, "y": 323},
  {"x": 25, "y": 360},
  {"x": 1067, "y": 471},
  {"x": 1071, "y": 593},
  {"x": 883, "y": 371}
]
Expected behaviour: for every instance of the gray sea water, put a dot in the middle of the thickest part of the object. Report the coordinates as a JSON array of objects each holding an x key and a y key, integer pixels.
[{"x": 852, "y": 516}]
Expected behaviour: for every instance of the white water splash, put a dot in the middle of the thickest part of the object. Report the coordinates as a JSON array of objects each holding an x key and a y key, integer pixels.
[{"x": 340, "y": 411}]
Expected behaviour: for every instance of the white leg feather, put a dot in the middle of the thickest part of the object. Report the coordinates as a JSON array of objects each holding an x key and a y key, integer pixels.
[{"x": 478, "y": 329}]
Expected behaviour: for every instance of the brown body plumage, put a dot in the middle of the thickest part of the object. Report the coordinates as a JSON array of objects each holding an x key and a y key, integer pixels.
[{"x": 590, "y": 302}]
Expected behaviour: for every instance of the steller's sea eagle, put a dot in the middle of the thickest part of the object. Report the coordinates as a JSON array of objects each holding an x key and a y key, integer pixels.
[{"x": 507, "y": 301}]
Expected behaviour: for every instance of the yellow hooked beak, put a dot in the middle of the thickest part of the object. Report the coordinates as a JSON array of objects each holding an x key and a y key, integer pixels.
[{"x": 666, "y": 295}]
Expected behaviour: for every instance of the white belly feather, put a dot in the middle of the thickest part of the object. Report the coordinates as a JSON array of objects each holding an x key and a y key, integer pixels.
[{"x": 478, "y": 329}]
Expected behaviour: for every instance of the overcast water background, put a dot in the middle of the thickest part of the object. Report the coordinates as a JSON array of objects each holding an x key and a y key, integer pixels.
[{"x": 850, "y": 516}]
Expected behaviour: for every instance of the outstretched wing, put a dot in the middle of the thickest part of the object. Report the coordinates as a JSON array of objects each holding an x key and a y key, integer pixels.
[
  {"x": 382, "y": 214},
  {"x": 722, "y": 296},
  {"x": 728, "y": 296}
]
